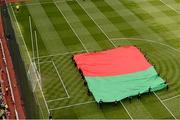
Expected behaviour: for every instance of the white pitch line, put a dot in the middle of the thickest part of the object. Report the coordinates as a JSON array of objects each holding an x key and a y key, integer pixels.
[
  {"x": 171, "y": 98},
  {"x": 96, "y": 24},
  {"x": 44, "y": 99},
  {"x": 37, "y": 49},
  {"x": 72, "y": 105},
  {"x": 71, "y": 26},
  {"x": 58, "y": 99},
  {"x": 29, "y": 55},
  {"x": 126, "y": 110},
  {"x": 60, "y": 54},
  {"x": 31, "y": 35},
  {"x": 45, "y": 62},
  {"x": 37, "y": 52},
  {"x": 60, "y": 78},
  {"x": 34, "y": 88},
  {"x": 39, "y": 106},
  {"x": 169, "y": 6},
  {"x": 165, "y": 106}
]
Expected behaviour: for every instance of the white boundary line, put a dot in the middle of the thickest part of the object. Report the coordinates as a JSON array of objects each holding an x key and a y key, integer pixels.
[
  {"x": 42, "y": 92},
  {"x": 45, "y": 62},
  {"x": 126, "y": 110},
  {"x": 28, "y": 55},
  {"x": 70, "y": 26},
  {"x": 60, "y": 78},
  {"x": 165, "y": 106},
  {"x": 34, "y": 88},
  {"x": 37, "y": 52},
  {"x": 58, "y": 99},
  {"x": 44, "y": 98},
  {"x": 39, "y": 106},
  {"x": 111, "y": 43},
  {"x": 32, "y": 41},
  {"x": 171, "y": 98},
  {"x": 72, "y": 105},
  {"x": 21, "y": 34}
]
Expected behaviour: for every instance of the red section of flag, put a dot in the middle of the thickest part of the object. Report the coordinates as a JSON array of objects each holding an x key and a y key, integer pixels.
[{"x": 122, "y": 60}]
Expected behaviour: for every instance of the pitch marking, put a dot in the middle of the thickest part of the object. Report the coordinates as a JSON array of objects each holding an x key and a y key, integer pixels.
[
  {"x": 73, "y": 105},
  {"x": 165, "y": 106},
  {"x": 60, "y": 78},
  {"x": 171, "y": 98}
]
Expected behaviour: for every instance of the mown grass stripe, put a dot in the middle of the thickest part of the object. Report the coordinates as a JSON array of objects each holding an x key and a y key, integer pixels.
[
  {"x": 66, "y": 34},
  {"x": 110, "y": 29},
  {"x": 101, "y": 39},
  {"x": 134, "y": 21},
  {"x": 46, "y": 29},
  {"x": 156, "y": 26},
  {"x": 78, "y": 27},
  {"x": 115, "y": 18}
]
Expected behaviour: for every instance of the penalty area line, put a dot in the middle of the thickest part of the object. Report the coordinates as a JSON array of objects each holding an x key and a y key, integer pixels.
[
  {"x": 73, "y": 105},
  {"x": 171, "y": 98},
  {"x": 58, "y": 99},
  {"x": 60, "y": 78}
]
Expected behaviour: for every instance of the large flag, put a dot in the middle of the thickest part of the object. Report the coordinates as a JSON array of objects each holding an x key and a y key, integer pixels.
[{"x": 118, "y": 73}]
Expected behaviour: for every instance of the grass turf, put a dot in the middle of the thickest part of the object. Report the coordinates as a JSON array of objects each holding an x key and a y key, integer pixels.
[{"x": 64, "y": 27}]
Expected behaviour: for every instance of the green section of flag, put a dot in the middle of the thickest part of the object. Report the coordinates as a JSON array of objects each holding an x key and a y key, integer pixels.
[{"x": 112, "y": 88}]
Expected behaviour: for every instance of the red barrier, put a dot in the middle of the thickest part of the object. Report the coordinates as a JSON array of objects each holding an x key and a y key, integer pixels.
[{"x": 11, "y": 88}]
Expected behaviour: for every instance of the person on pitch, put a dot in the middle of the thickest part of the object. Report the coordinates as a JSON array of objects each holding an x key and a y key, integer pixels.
[
  {"x": 149, "y": 90},
  {"x": 17, "y": 8},
  {"x": 139, "y": 95}
]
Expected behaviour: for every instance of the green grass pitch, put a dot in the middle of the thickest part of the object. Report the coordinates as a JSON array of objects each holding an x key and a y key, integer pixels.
[{"x": 58, "y": 29}]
